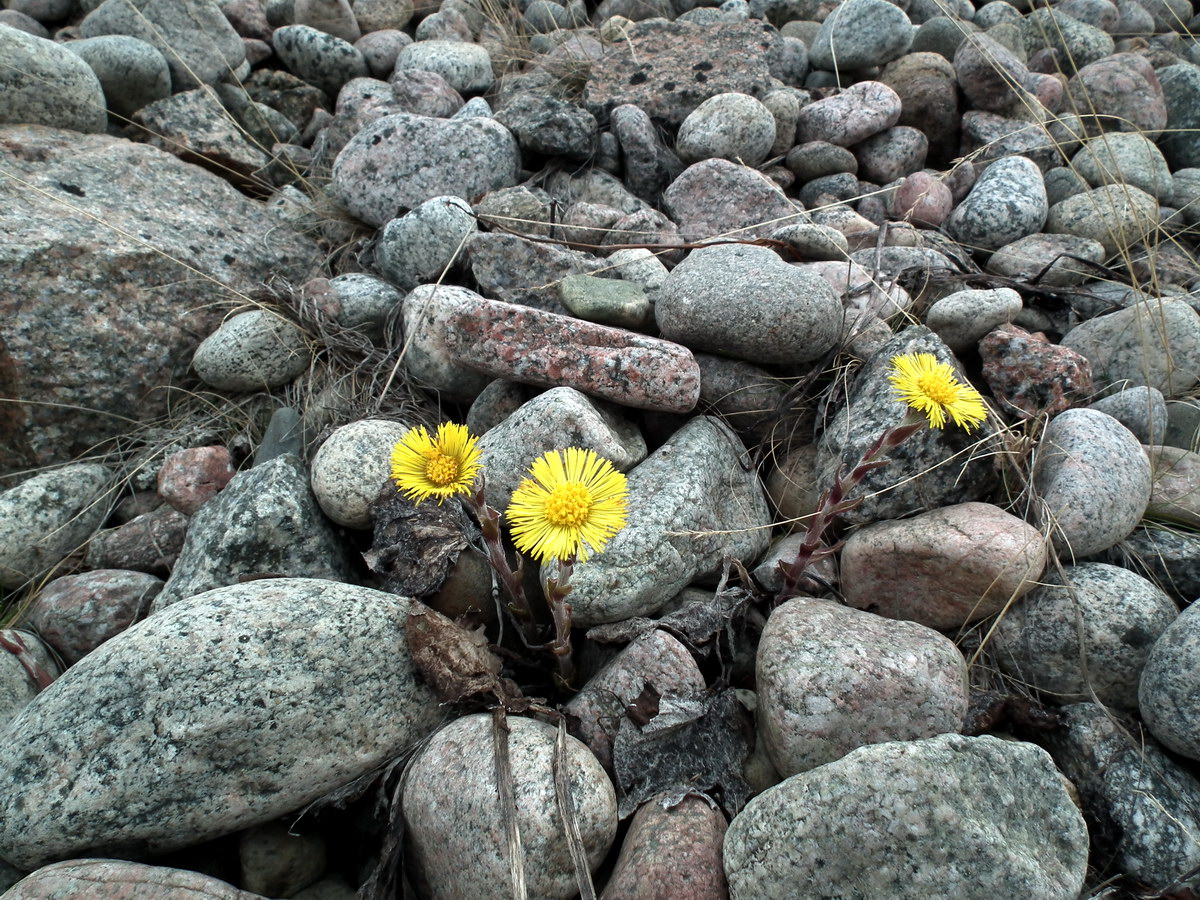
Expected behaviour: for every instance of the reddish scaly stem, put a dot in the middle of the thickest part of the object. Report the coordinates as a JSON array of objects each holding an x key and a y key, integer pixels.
[{"x": 557, "y": 588}]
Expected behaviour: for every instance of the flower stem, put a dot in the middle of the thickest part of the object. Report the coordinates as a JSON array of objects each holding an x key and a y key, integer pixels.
[
  {"x": 489, "y": 526},
  {"x": 556, "y": 588},
  {"x": 834, "y": 502}
]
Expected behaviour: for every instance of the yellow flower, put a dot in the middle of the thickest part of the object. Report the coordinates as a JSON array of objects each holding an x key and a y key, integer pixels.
[
  {"x": 574, "y": 502},
  {"x": 440, "y": 466},
  {"x": 930, "y": 387}
]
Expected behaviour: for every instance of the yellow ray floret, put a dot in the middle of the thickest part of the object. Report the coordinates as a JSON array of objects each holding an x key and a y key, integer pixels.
[
  {"x": 440, "y": 466},
  {"x": 574, "y": 503},
  {"x": 929, "y": 386}
]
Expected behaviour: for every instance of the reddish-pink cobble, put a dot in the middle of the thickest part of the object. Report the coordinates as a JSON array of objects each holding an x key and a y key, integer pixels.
[{"x": 524, "y": 344}]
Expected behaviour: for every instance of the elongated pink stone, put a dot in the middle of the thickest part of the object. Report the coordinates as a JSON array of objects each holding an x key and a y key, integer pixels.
[{"x": 524, "y": 344}]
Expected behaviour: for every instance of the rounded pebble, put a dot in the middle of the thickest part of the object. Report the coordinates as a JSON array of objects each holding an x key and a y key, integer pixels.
[
  {"x": 466, "y": 67},
  {"x": 1169, "y": 692},
  {"x": 47, "y": 84},
  {"x": 962, "y": 318},
  {"x": 351, "y": 468},
  {"x": 253, "y": 351},
  {"x": 729, "y": 126},
  {"x": 1007, "y": 202},
  {"x": 131, "y": 72},
  {"x": 421, "y": 244},
  {"x": 861, "y": 34}
]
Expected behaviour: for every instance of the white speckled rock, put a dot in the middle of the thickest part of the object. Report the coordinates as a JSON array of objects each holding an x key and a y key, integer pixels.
[
  {"x": 690, "y": 502},
  {"x": 1175, "y": 494},
  {"x": 730, "y": 126},
  {"x": 399, "y": 161},
  {"x": 944, "y": 568},
  {"x": 253, "y": 351},
  {"x": 1094, "y": 481},
  {"x": 974, "y": 818},
  {"x": 226, "y": 710},
  {"x": 1169, "y": 692},
  {"x": 1140, "y": 409},
  {"x": 1155, "y": 342},
  {"x": 319, "y": 58},
  {"x": 1006, "y": 203},
  {"x": 132, "y": 72},
  {"x": 426, "y": 311},
  {"x": 17, "y": 687},
  {"x": 351, "y": 467},
  {"x": 47, "y": 516},
  {"x": 861, "y": 34},
  {"x": 457, "y": 843},
  {"x": 1125, "y": 157},
  {"x": 1111, "y": 618},
  {"x": 365, "y": 300},
  {"x": 962, "y": 318},
  {"x": 419, "y": 245},
  {"x": 560, "y": 417},
  {"x": 47, "y": 84},
  {"x": 466, "y": 67},
  {"x": 831, "y": 679},
  {"x": 1116, "y": 215},
  {"x": 654, "y": 660},
  {"x": 113, "y": 878},
  {"x": 746, "y": 302}
]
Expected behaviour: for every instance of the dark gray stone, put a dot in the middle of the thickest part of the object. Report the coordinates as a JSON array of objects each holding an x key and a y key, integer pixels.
[
  {"x": 132, "y": 72},
  {"x": 1169, "y": 694},
  {"x": 266, "y": 521},
  {"x": 1007, "y": 202},
  {"x": 319, "y": 58},
  {"x": 1140, "y": 409},
  {"x": 1181, "y": 90},
  {"x": 979, "y": 816},
  {"x": 649, "y": 165},
  {"x": 1170, "y": 559},
  {"x": 550, "y": 127},
  {"x": 861, "y": 34},
  {"x": 43, "y": 83},
  {"x": 222, "y": 712}
]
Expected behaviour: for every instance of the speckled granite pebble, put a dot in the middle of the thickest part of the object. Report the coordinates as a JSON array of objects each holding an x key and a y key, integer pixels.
[
  {"x": 861, "y": 110},
  {"x": 718, "y": 197},
  {"x": 525, "y": 344},
  {"x": 466, "y": 67},
  {"x": 1007, "y": 202},
  {"x": 944, "y": 568},
  {"x": 1117, "y": 216},
  {"x": 746, "y": 302},
  {"x": 191, "y": 477},
  {"x": 1125, "y": 158},
  {"x": 1140, "y": 409},
  {"x": 1046, "y": 259},
  {"x": 671, "y": 851},
  {"x": 969, "y": 817},
  {"x": 319, "y": 58},
  {"x": 861, "y": 34},
  {"x": 352, "y": 466},
  {"x": 1103, "y": 614},
  {"x": 962, "y": 318},
  {"x": 560, "y": 417},
  {"x": 1175, "y": 496},
  {"x": 117, "y": 879},
  {"x": 205, "y": 689},
  {"x": 17, "y": 687},
  {"x": 421, "y": 244},
  {"x": 831, "y": 679},
  {"x": 427, "y": 311},
  {"x": 1169, "y": 692},
  {"x": 399, "y": 161},
  {"x": 690, "y": 502},
  {"x": 733, "y": 126},
  {"x": 1029, "y": 375},
  {"x": 47, "y": 516},
  {"x": 253, "y": 351},
  {"x": 132, "y": 72},
  {"x": 1094, "y": 481},
  {"x": 276, "y": 861},
  {"x": 457, "y": 845},
  {"x": 77, "y": 613},
  {"x": 47, "y": 84}
]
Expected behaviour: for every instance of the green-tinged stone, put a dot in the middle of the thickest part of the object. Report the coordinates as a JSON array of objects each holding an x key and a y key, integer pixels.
[{"x": 605, "y": 300}]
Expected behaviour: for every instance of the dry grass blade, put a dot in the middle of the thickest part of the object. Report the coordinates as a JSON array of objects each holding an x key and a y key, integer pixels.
[
  {"x": 566, "y": 811},
  {"x": 508, "y": 804}
]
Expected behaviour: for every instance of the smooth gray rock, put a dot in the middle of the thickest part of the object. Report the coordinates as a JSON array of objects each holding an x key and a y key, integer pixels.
[
  {"x": 608, "y": 301},
  {"x": 264, "y": 522},
  {"x": 1125, "y": 157},
  {"x": 549, "y": 126},
  {"x": 132, "y": 72},
  {"x": 1116, "y": 215},
  {"x": 1094, "y": 481},
  {"x": 918, "y": 474},
  {"x": 365, "y": 301},
  {"x": 17, "y": 686},
  {"x": 962, "y": 318},
  {"x": 47, "y": 516},
  {"x": 418, "y": 246},
  {"x": 98, "y": 877},
  {"x": 861, "y": 34},
  {"x": 732, "y": 126},
  {"x": 319, "y": 58},
  {"x": 1007, "y": 202},
  {"x": 330, "y": 16},
  {"x": 466, "y": 67},
  {"x": 225, "y": 711},
  {"x": 427, "y": 311},
  {"x": 1181, "y": 91},
  {"x": 351, "y": 468},
  {"x": 1170, "y": 559},
  {"x": 746, "y": 302},
  {"x": 691, "y": 502},
  {"x": 1155, "y": 343},
  {"x": 253, "y": 351},
  {"x": 831, "y": 679},
  {"x": 195, "y": 38},
  {"x": 1143, "y": 808},
  {"x": 1089, "y": 633},
  {"x": 1077, "y": 43},
  {"x": 1140, "y": 409},
  {"x": 1169, "y": 693},
  {"x": 560, "y": 417},
  {"x": 457, "y": 842},
  {"x": 399, "y": 161},
  {"x": 43, "y": 83},
  {"x": 1053, "y": 260},
  {"x": 972, "y": 817}
]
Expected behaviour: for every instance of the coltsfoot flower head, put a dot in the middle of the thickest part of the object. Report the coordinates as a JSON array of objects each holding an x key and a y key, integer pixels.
[
  {"x": 441, "y": 466},
  {"x": 929, "y": 386},
  {"x": 574, "y": 503}
]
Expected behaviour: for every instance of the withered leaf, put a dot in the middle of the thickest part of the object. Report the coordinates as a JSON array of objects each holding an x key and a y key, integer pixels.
[
  {"x": 455, "y": 662},
  {"x": 697, "y": 742},
  {"x": 415, "y": 547}
]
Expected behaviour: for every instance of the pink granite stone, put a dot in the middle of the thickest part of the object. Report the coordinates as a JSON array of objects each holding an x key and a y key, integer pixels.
[
  {"x": 115, "y": 879},
  {"x": 1029, "y": 374},
  {"x": 190, "y": 478},
  {"x": 147, "y": 543},
  {"x": 671, "y": 853},
  {"x": 524, "y": 344}
]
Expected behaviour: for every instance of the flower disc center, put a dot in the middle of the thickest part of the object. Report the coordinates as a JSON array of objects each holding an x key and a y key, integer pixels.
[
  {"x": 441, "y": 469},
  {"x": 568, "y": 505},
  {"x": 937, "y": 388}
]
